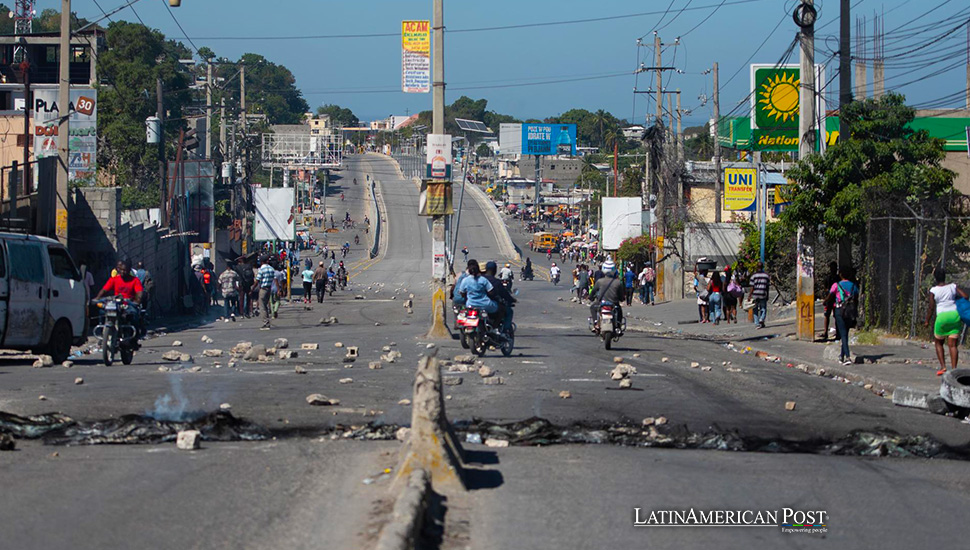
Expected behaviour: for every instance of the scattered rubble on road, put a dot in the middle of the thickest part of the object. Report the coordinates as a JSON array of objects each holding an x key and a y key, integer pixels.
[
  {"x": 177, "y": 344},
  {"x": 241, "y": 348},
  {"x": 485, "y": 371},
  {"x": 309, "y": 347},
  {"x": 207, "y": 340},
  {"x": 494, "y": 381},
  {"x": 565, "y": 394},
  {"x": 375, "y": 365},
  {"x": 496, "y": 443},
  {"x": 404, "y": 402},
  {"x": 255, "y": 352},
  {"x": 44, "y": 361},
  {"x": 319, "y": 400},
  {"x": 626, "y": 383},
  {"x": 789, "y": 405},
  {"x": 622, "y": 370},
  {"x": 78, "y": 381},
  {"x": 212, "y": 353},
  {"x": 189, "y": 440},
  {"x": 287, "y": 354},
  {"x": 281, "y": 343},
  {"x": 299, "y": 370},
  {"x": 452, "y": 381},
  {"x": 67, "y": 364},
  {"x": 346, "y": 380}
]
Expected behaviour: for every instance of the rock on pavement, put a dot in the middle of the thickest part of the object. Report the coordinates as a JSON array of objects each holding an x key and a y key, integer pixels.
[{"x": 189, "y": 440}]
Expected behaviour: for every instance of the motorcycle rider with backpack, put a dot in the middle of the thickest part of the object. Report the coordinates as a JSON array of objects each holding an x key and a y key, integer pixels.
[{"x": 609, "y": 288}]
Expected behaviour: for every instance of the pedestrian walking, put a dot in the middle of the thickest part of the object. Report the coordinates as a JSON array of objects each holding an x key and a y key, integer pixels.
[
  {"x": 760, "y": 283},
  {"x": 732, "y": 294},
  {"x": 320, "y": 280},
  {"x": 715, "y": 291},
  {"x": 942, "y": 302},
  {"x": 700, "y": 288},
  {"x": 229, "y": 285},
  {"x": 628, "y": 278},
  {"x": 646, "y": 279},
  {"x": 307, "y": 284},
  {"x": 843, "y": 295},
  {"x": 265, "y": 278},
  {"x": 829, "y": 309}
]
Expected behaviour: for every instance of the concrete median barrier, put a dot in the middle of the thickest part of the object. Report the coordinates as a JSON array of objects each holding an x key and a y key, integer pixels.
[
  {"x": 403, "y": 531},
  {"x": 432, "y": 445}
]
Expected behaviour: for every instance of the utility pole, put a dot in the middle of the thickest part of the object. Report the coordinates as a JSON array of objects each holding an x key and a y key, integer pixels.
[
  {"x": 62, "y": 204},
  {"x": 717, "y": 147},
  {"x": 845, "y": 66},
  {"x": 222, "y": 130},
  {"x": 208, "y": 110},
  {"x": 660, "y": 84},
  {"x": 25, "y": 70},
  {"x": 438, "y": 326},
  {"x": 968, "y": 67},
  {"x": 806, "y": 146},
  {"x": 242, "y": 120},
  {"x": 680, "y": 154},
  {"x": 162, "y": 165}
]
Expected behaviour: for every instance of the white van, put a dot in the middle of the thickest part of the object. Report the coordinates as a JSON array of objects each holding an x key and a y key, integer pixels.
[{"x": 43, "y": 300}]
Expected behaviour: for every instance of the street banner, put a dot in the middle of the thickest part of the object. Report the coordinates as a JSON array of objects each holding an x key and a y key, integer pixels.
[
  {"x": 549, "y": 139},
  {"x": 416, "y": 57},
  {"x": 83, "y": 142},
  {"x": 436, "y": 198},
  {"x": 740, "y": 189},
  {"x": 438, "y": 157},
  {"x": 775, "y": 109}
]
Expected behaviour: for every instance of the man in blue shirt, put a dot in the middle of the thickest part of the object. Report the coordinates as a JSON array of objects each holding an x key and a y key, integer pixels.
[
  {"x": 628, "y": 278},
  {"x": 477, "y": 290}
]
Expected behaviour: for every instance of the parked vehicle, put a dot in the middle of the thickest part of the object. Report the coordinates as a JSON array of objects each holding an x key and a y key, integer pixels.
[
  {"x": 116, "y": 331},
  {"x": 609, "y": 326},
  {"x": 43, "y": 299}
]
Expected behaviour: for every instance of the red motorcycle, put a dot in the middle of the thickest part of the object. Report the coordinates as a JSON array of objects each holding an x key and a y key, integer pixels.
[
  {"x": 478, "y": 333},
  {"x": 609, "y": 324}
]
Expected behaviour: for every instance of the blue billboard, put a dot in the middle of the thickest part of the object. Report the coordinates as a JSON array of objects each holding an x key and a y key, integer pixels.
[{"x": 549, "y": 139}]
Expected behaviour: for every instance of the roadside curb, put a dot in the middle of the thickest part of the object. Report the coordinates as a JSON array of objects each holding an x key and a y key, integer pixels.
[
  {"x": 380, "y": 240},
  {"x": 407, "y": 519},
  {"x": 505, "y": 245}
]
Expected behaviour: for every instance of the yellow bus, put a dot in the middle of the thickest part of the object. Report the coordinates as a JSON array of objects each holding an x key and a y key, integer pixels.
[{"x": 544, "y": 241}]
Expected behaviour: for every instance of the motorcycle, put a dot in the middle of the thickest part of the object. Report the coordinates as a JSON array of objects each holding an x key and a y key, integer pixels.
[
  {"x": 554, "y": 279},
  {"x": 478, "y": 332},
  {"x": 526, "y": 275},
  {"x": 608, "y": 325},
  {"x": 116, "y": 331},
  {"x": 332, "y": 284}
]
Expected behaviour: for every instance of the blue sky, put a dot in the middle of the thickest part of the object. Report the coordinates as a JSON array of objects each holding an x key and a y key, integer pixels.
[{"x": 594, "y": 60}]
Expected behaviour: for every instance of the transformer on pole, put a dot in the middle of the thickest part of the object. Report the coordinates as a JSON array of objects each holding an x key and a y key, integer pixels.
[{"x": 23, "y": 19}]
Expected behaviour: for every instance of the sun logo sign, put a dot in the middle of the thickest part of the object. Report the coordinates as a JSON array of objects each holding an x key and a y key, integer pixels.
[{"x": 776, "y": 105}]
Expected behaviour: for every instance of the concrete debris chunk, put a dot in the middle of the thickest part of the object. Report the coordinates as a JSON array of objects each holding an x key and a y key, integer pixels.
[
  {"x": 265, "y": 358},
  {"x": 78, "y": 381},
  {"x": 338, "y": 344},
  {"x": 359, "y": 297},
  {"x": 44, "y": 361},
  {"x": 270, "y": 351},
  {"x": 67, "y": 364},
  {"x": 789, "y": 405},
  {"x": 318, "y": 400},
  {"x": 867, "y": 387},
  {"x": 195, "y": 369},
  {"x": 177, "y": 344},
  {"x": 287, "y": 354},
  {"x": 460, "y": 368},
  {"x": 622, "y": 370},
  {"x": 402, "y": 434},
  {"x": 346, "y": 380},
  {"x": 705, "y": 368},
  {"x": 626, "y": 383},
  {"x": 299, "y": 370},
  {"x": 496, "y": 443},
  {"x": 485, "y": 371},
  {"x": 171, "y": 355},
  {"x": 430, "y": 346},
  {"x": 465, "y": 359},
  {"x": 565, "y": 394},
  {"x": 189, "y": 440},
  {"x": 664, "y": 359},
  {"x": 494, "y": 381},
  {"x": 163, "y": 368},
  {"x": 559, "y": 299},
  {"x": 206, "y": 340},
  {"x": 375, "y": 365},
  {"x": 661, "y": 420},
  {"x": 281, "y": 343},
  {"x": 42, "y": 397},
  {"x": 309, "y": 347},
  {"x": 255, "y": 352},
  {"x": 225, "y": 407},
  {"x": 452, "y": 381},
  {"x": 648, "y": 421},
  {"x": 212, "y": 353},
  {"x": 386, "y": 349},
  {"x": 694, "y": 364},
  {"x": 241, "y": 348},
  {"x": 617, "y": 359},
  {"x": 761, "y": 354},
  {"x": 352, "y": 351},
  {"x": 404, "y": 402},
  {"x": 733, "y": 369},
  {"x": 231, "y": 365}
]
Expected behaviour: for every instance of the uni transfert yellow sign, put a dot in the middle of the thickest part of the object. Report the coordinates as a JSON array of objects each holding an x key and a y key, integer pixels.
[{"x": 740, "y": 188}]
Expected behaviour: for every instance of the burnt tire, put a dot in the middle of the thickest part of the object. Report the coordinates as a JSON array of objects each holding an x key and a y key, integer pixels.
[
  {"x": 955, "y": 388},
  {"x": 59, "y": 345}
]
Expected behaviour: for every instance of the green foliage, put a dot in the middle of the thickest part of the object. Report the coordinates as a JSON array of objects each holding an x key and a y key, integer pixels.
[
  {"x": 631, "y": 181},
  {"x": 882, "y": 168},
  {"x": 635, "y": 249},
  {"x": 133, "y": 198},
  {"x": 780, "y": 258},
  {"x": 483, "y": 151},
  {"x": 222, "y": 214},
  {"x": 700, "y": 147},
  {"x": 339, "y": 116},
  {"x": 271, "y": 90}
]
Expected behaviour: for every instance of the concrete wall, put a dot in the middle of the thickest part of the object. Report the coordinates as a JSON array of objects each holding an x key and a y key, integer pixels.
[{"x": 99, "y": 239}]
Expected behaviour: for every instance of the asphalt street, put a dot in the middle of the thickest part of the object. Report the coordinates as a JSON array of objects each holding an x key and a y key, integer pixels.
[{"x": 556, "y": 497}]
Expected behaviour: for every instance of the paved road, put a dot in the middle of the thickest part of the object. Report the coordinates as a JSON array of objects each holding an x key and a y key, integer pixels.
[{"x": 590, "y": 490}]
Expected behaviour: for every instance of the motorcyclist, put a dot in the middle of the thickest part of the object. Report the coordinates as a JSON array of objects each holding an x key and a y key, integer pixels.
[
  {"x": 506, "y": 275},
  {"x": 127, "y": 286},
  {"x": 554, "y": 272},
  {"x": 477, "y": 290},
  {"x": 607, "y": 289},
  {"x": 504, "y": 299},
  {"x": 342, "y": 275}
]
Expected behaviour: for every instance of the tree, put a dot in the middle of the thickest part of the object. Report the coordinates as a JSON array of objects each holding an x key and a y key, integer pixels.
[
  {"x": 636, "y": 250},
  {"x": 339, "y": 116},
  {"x": 883, "y": 167},
  {"x": 271, "y": 90},
  {"x": 483, "y": 151}
]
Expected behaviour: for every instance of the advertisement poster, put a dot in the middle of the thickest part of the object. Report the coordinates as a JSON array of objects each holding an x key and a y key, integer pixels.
[
  {"x": 438, "y": 157},
  {"x": 740, "y": 188},
  {"x": 549, "y": 139},
  {"x": 416, "y": 57},
  {"x": 83, "y": 142}
]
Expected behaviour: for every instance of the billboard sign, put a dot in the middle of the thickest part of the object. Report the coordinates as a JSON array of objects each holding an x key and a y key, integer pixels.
[
  {"x": 549, "y": 139},
  {"x": 83, "y": 139},
  {"x": 775, "y": 108},
  {"x": 740, "y": 189},
  {"x": 416, "y": 57},
  {"x": 275, "y": 217},
  {"x": 622, "y": 219},
  {"x": 438, "y": 157}
]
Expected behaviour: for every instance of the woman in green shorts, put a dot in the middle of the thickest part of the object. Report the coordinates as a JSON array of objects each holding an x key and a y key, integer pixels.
[{"x": 943, "y": 298}]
